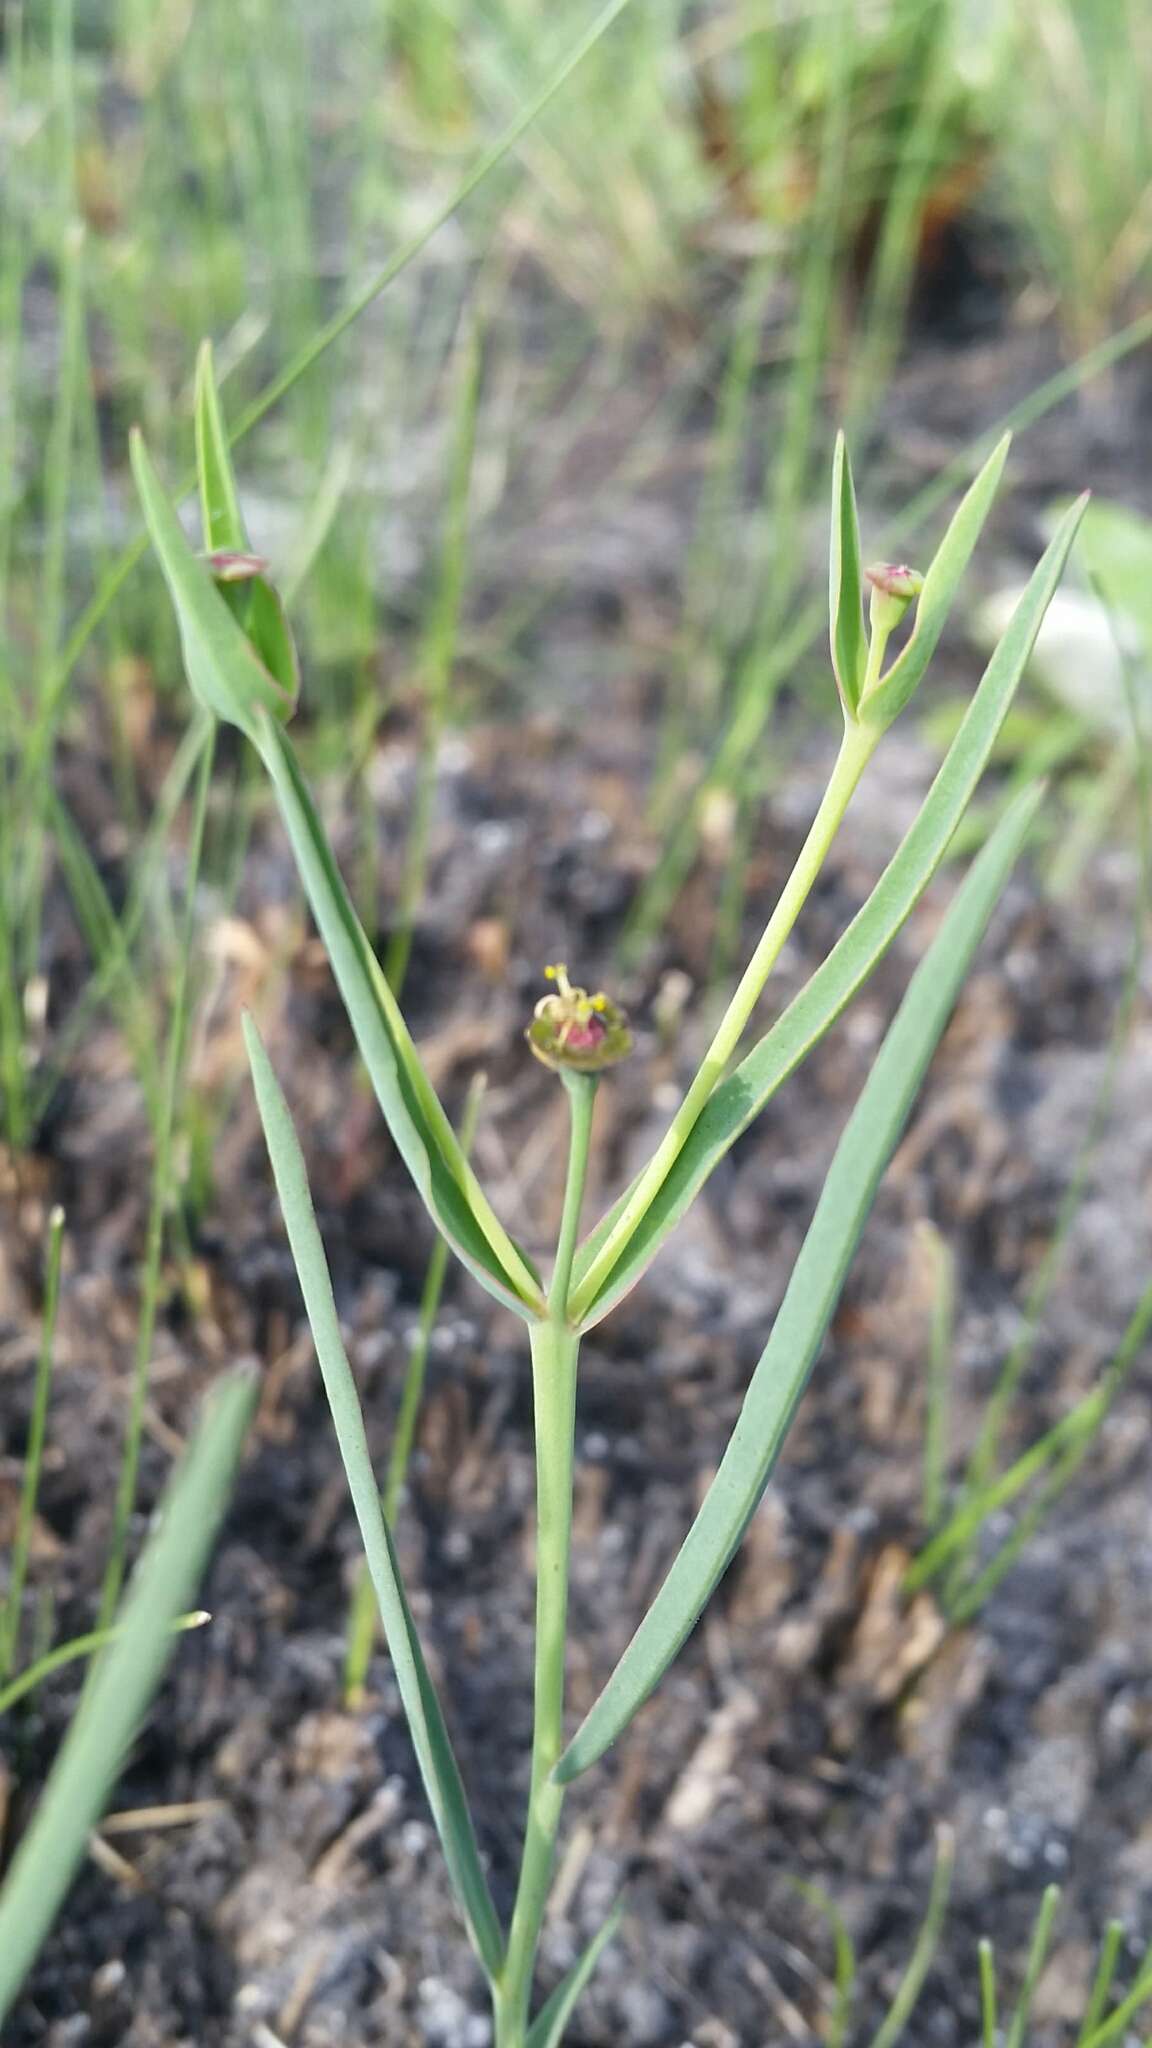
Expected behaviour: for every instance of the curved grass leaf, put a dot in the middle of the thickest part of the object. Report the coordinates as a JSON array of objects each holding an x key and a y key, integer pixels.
[
  {"x": 547, "y": 2028},
  {"x": 434, "y": 1755},
  {"x": 122, "y": 1684},
  {"x": 846, "y": 585},
  {"x": 869, "y": 1139},
  {"x": 224, "y": 670},
  {"x": 741, "y": 1098},
  {"x": 412, "y": 1110},
  {"x": 940, "y": 585}
]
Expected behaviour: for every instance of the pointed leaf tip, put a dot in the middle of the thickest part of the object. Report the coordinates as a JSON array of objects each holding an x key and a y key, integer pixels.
[
  {"x": 845, "y": 586},
  {"x": 221, "y": 518}
]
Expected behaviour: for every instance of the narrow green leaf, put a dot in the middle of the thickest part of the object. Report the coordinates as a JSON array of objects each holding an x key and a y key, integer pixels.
[
  {"x": 892, "y": 2027},
  {"x": 1038, "y": 1949},
  {"x": 741, "y": 1098},
  {"x": 1110, "y": 1949},
  {"x": 220, "y": 514},
  {"x": 72, "y": 1651},
  {"x": 846, "y": 585},
  {"x": 224, "y": 670},
  {"x": 835, "y": 2028},
  {"x": 415, "y": 1116},
  {"x": 869, "y": 1139},
  {"x": 940, "y": 585},
  {"x": 122, "y": 1684},
  {"x": 547, "y": 2028},
  {"x": 434, "y": 1754}
]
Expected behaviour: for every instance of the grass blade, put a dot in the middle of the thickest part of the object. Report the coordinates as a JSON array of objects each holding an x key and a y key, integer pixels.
[
  {"x": 1037, "y": 1957},
  {"x": 740, "y": 1099},
  {"x": 986, "y": 1964},
  {"x": 72, "y": 1651},
  {"x": 122, "y": 1683},
  {"x": 869, "y": 1139},
  {"x": 1102, "y": 1981},
  {"x": 920, "y": 1961},
  {"x": 547, "y": 2028},
  {"x": 940, "y": 586},
  {"x": 846, "y": 584},
  {"x": 835, "y": 2028},
  {"x": 438, "y": 1767}
]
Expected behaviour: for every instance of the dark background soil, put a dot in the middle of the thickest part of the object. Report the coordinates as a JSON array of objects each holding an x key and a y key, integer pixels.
[{"x": 814, "y": 1728}]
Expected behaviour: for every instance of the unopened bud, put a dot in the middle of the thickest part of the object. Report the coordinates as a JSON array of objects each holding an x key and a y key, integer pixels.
[
  {"x": 571, "y": 1029},
  {"x": 894, "y": 588},
  {"x": 230, "y": 565}
]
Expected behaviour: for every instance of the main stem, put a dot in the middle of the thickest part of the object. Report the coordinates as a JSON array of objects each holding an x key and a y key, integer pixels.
[
  {"x": 856, "y": 750},
  {"x": 555, "y": 1351}
]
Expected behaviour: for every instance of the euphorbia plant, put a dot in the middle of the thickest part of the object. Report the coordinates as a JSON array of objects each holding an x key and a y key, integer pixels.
[{"x": 240, "y": 664}]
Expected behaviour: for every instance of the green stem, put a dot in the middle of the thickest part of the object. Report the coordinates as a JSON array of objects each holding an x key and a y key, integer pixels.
[
  {"x": 555, "y": 1354},
  {"x": 856, "y": 749}
]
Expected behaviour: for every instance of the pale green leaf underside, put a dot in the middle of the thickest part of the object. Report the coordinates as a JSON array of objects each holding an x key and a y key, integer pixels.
[
  {"x": 778, "y": 1382},
  {"x": 430, "y": 1738},
  {"x": 742, "y": 1097},
  {"x": 547, "y": 2029},
  {"x": 846, "y": 583},
  {"x": 122, "y": 1683},
  {"x": 413, "y": 1112}
]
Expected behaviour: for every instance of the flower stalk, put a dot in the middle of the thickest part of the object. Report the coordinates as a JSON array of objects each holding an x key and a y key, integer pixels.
[{"x": 555, "y": 1347}]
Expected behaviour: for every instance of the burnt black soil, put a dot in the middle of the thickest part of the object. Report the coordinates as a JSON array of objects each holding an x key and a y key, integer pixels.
[{"x": 816, "y": 1727}]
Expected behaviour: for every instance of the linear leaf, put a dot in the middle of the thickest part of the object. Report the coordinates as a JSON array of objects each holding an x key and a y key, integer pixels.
[
  {"x": 869, "y": 1139},
  {"x": 412, "y": 1110},
  {"x": 220, "y": 514},
  {"x": 547, "y": 2028},
  {"x": 845, "y": 584},
  {"x": 741, "y": 1098},
  {"x": 940, "y": 585},
  {"x": 122, "y": 1684},
  {"x": 223, "y": 669},
  {"x": 434, "y": 1754}
]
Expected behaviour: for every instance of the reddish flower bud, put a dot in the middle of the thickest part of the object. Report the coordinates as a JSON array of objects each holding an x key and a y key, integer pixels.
[
  {"x": 895, "y": 579},
  {"x": 230, "y": 565}
]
